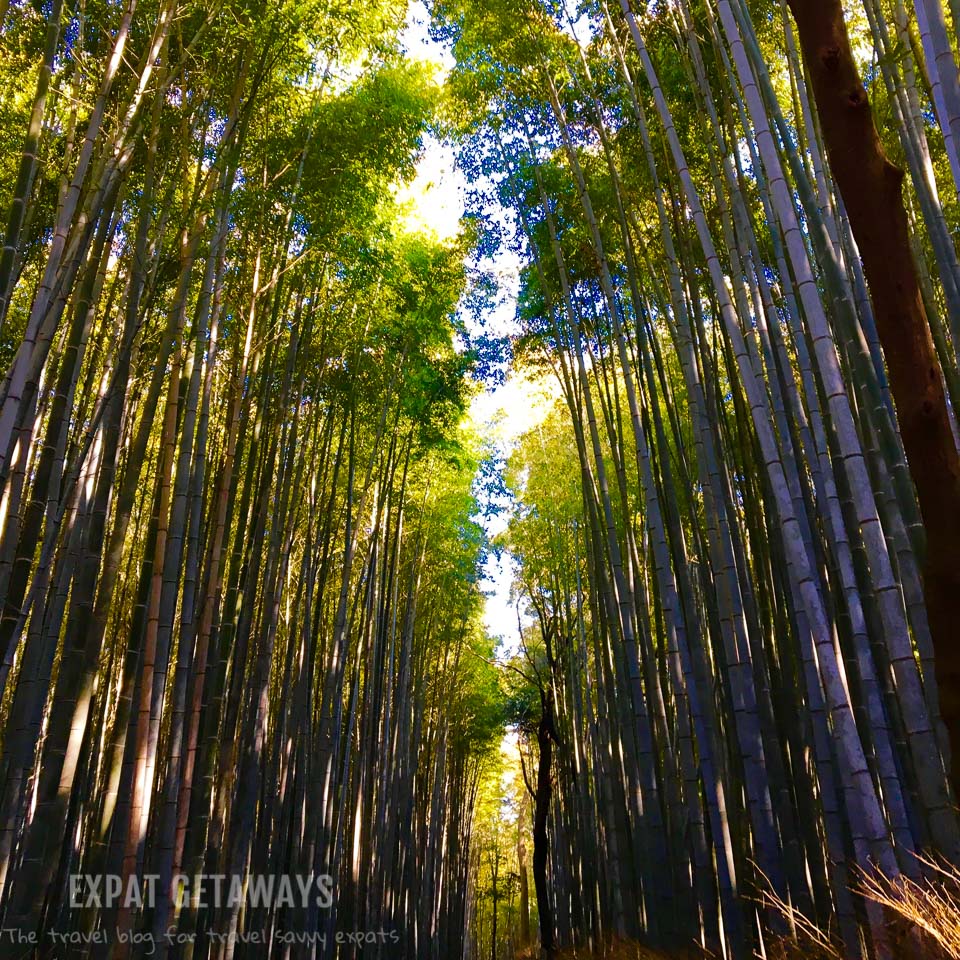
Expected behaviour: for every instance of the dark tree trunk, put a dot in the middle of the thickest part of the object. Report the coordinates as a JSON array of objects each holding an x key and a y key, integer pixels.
[
  {"x": 870, "y": 186},
  {"x": 541, "y": 810},
  {"x": 524, "y": 891}
]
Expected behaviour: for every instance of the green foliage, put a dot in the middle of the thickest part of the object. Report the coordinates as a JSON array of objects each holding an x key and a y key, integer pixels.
[
  {"x": 480, "y": 708},
  {"x": 522, "y": 708},
  {"x": 362, "y": 141}
]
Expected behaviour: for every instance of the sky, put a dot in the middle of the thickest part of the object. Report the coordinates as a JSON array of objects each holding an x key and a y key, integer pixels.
[
  {"x": 435, "y": 197},
  {"x": 505, "y": 412}
]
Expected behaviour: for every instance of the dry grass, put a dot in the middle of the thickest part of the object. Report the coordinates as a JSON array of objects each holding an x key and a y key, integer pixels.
[
  {"x": 807, "y": 949},
  {"x": 620, "y": 950},
  {"x": 930, "y": 906},
  {"x": 616, "y": 950},
  {"x": 922, "y": 916},
  {"x": 811, "y": 942},
  {"x": 803, "y": 948}
]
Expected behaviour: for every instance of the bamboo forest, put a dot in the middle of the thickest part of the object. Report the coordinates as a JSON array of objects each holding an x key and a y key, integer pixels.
[{"x": 480, "y": 479}]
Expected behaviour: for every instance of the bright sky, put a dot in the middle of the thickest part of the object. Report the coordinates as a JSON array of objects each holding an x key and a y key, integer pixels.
[
  {"x": 504, "y": 413},
  {"x": 436, "y": 195}
]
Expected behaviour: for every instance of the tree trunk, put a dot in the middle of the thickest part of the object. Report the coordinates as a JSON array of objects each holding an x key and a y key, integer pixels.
[
  {"x": 541, "y": 810},
  {"x": 871, "y": 189},
  {"x": 524, "y": 890}
]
